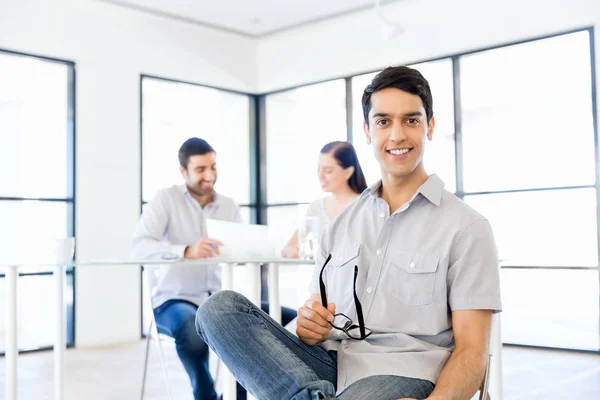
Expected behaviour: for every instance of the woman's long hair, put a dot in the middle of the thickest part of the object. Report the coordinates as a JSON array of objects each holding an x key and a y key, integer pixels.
[{"x": 345, "y": 155}]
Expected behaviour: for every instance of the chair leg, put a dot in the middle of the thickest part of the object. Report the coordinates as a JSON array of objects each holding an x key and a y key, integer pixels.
[
  {"x": 148, "y": 338},
  {"x": 163, "y": 362},
  {"x": 483, "y": 389},
  {"x": 216, "y": 379}
]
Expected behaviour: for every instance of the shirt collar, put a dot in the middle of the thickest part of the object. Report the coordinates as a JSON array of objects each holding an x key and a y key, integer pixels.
[
  {"x": 432, "y": 189},
  {"x": 184, "y": 189}
]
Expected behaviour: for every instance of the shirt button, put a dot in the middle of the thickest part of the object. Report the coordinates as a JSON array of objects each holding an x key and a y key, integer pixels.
[
  {"x": 378, "y": 252},
  {"x": 412, "y": 265},
  {"x": 369, "y": 290},
  {"x": 382, "y": 215}
]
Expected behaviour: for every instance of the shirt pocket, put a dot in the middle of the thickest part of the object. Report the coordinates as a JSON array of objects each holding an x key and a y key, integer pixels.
[
  {"x": 340, "y": 271},
  {"x": 412, "y": 278}
]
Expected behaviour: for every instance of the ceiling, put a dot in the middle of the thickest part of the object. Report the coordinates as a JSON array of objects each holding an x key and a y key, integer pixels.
[{"x": 254, "y": 18}]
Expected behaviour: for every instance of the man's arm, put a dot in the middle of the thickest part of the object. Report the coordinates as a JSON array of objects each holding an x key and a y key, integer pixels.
[
  {"x": 463, "y": 373},
  {"x": 148, "y": 236}
]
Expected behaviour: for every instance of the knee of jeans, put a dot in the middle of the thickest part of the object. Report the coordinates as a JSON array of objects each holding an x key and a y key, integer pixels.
[
  {"x": 212, "y": 310},
  {"x": 187, "y": 337}
]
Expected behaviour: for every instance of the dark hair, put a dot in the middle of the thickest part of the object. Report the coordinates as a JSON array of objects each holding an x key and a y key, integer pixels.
[
  {"x": 345, "y": 155},
  {"x": 404, "y": 78},
  {"x": 193, "y": 147}
]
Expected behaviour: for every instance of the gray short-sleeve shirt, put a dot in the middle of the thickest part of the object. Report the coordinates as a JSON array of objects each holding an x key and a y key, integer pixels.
[{"x": 432, "y": 256}]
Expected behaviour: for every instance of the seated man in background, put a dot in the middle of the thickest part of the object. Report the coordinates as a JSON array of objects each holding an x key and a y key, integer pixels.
[
  {"x": 173, "y": 226},
  {"x": 407, "y": 275}
]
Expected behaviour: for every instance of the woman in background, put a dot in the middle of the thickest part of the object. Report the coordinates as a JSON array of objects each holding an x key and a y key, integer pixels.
[{"x": 340, "y": 174}]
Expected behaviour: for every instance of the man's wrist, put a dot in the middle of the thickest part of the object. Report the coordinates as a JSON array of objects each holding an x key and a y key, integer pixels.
[{"x": 182, "y": 251}]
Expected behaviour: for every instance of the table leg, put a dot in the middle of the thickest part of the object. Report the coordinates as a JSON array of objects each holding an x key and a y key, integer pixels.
[{"x": 11, "y": 349}]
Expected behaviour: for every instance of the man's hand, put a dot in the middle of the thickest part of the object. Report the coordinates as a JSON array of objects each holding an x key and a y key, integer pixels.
[
  {"x": 203, "y": 248},
  {"x": 313, "y": 326}
]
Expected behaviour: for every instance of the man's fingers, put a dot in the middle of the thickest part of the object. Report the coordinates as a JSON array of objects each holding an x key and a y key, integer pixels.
[
  {"x": 318, "y": 308},
  {"x": 321, "y": 327},
  {"x": 331, "y": 308},
  {"x": 214, "y": 241},
  {"x": 304, "y": 333},
  {"x": 312, "y": 315},
  {"x": 208, "y": 249}
]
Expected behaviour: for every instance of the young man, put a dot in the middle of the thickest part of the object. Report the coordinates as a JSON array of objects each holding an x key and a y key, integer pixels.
[
  {"x": 173, "y": 226},
  {"x": 407, "y": 275}
]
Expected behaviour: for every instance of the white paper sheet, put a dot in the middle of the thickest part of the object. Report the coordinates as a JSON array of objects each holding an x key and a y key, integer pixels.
[{"x": 241, "y": 240}]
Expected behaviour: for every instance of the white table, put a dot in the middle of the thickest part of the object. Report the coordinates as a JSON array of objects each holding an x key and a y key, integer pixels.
[{"x": 227, "y": 265}]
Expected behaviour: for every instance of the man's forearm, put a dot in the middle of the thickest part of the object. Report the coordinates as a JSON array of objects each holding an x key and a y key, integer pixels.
[
  {"x": 145, "y": 248},
  {"x": 461, "y": 377}
]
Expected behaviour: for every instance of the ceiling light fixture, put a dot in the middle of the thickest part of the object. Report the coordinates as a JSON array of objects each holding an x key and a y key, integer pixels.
[{"x": 389, "y": 29}]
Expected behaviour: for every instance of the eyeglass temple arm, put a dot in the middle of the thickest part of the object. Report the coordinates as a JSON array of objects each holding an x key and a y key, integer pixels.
[
  {"x": 322, "y": 284},
  {"x": 359, "y": 313}
]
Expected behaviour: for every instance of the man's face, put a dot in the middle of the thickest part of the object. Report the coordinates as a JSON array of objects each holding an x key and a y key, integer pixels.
[
  {"x": 398, "y": 131},
  {"x": 201, "y": 173}
]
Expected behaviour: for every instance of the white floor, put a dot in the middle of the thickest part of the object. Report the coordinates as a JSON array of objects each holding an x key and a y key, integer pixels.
[{"x": 115, "y": 373}]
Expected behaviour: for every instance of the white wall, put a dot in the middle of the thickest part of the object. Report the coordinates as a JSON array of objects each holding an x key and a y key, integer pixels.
[
  {"x": 111, "y": 46},
  {"x": 433, "y": 29}
]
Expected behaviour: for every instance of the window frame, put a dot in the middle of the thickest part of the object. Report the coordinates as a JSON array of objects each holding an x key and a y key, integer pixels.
[{"x": 69, "y": 200}]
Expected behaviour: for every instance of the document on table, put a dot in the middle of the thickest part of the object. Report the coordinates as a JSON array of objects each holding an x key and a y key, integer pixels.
[{"x": 241, "y": 240}]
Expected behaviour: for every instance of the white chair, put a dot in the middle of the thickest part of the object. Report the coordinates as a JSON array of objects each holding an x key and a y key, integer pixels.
[
  {"x": 153, "y": 333},
  {"x": 494, "y": 365}
]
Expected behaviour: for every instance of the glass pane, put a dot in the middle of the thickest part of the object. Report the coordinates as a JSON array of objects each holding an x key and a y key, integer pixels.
[
  {"x": 283, "y": 221},
  {"x": 172, "y": 113},
  {"x": 367, "y": 160},
  {"x": 293, "y": 279},
  {"x": 299, "y": 123},
  {"x": 34, "y": 117},
  {"x": 35, "y": 311},
  {"x": 547, "y": 228},
  {"x": 523, "y": 127},
  {"x": 29, "y": 229},
  {"x": 554, "y": 308},
  {"x": 247, "y": 213},
  {"x": 439, "y": 154}
]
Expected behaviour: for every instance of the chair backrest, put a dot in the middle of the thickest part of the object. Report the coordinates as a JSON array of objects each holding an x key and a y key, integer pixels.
[
  {"x": 483, "y": 389},
  {"x": 494, "y": 364}
]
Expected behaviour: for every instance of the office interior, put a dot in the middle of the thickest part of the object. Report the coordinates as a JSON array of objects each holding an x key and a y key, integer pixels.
[{"x": 96, "y": 96}]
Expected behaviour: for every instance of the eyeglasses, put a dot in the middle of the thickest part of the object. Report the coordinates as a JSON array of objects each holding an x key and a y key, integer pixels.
[{"x": 341, "y": 321}]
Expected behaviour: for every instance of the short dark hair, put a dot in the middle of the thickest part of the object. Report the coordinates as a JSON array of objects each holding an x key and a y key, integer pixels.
[
  {"x": 345, "y": 154},
  {"x": 404, "y": 78},
  {"x": 193, "y": 147}
]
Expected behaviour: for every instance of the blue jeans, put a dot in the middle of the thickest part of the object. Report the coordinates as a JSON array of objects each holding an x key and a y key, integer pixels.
[
  {"x": 175, "y": 318},
  {"x": 273, "y": 364}
]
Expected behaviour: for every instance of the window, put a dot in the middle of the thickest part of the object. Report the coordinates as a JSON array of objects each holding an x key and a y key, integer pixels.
[
  {"x": 527, "y": 115},
  {"x": 172, "y": 112},
  {"x": 528, "y": 124},
  {"x": 37, "y": 184},
  {"x": 299, "y": 123}
]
